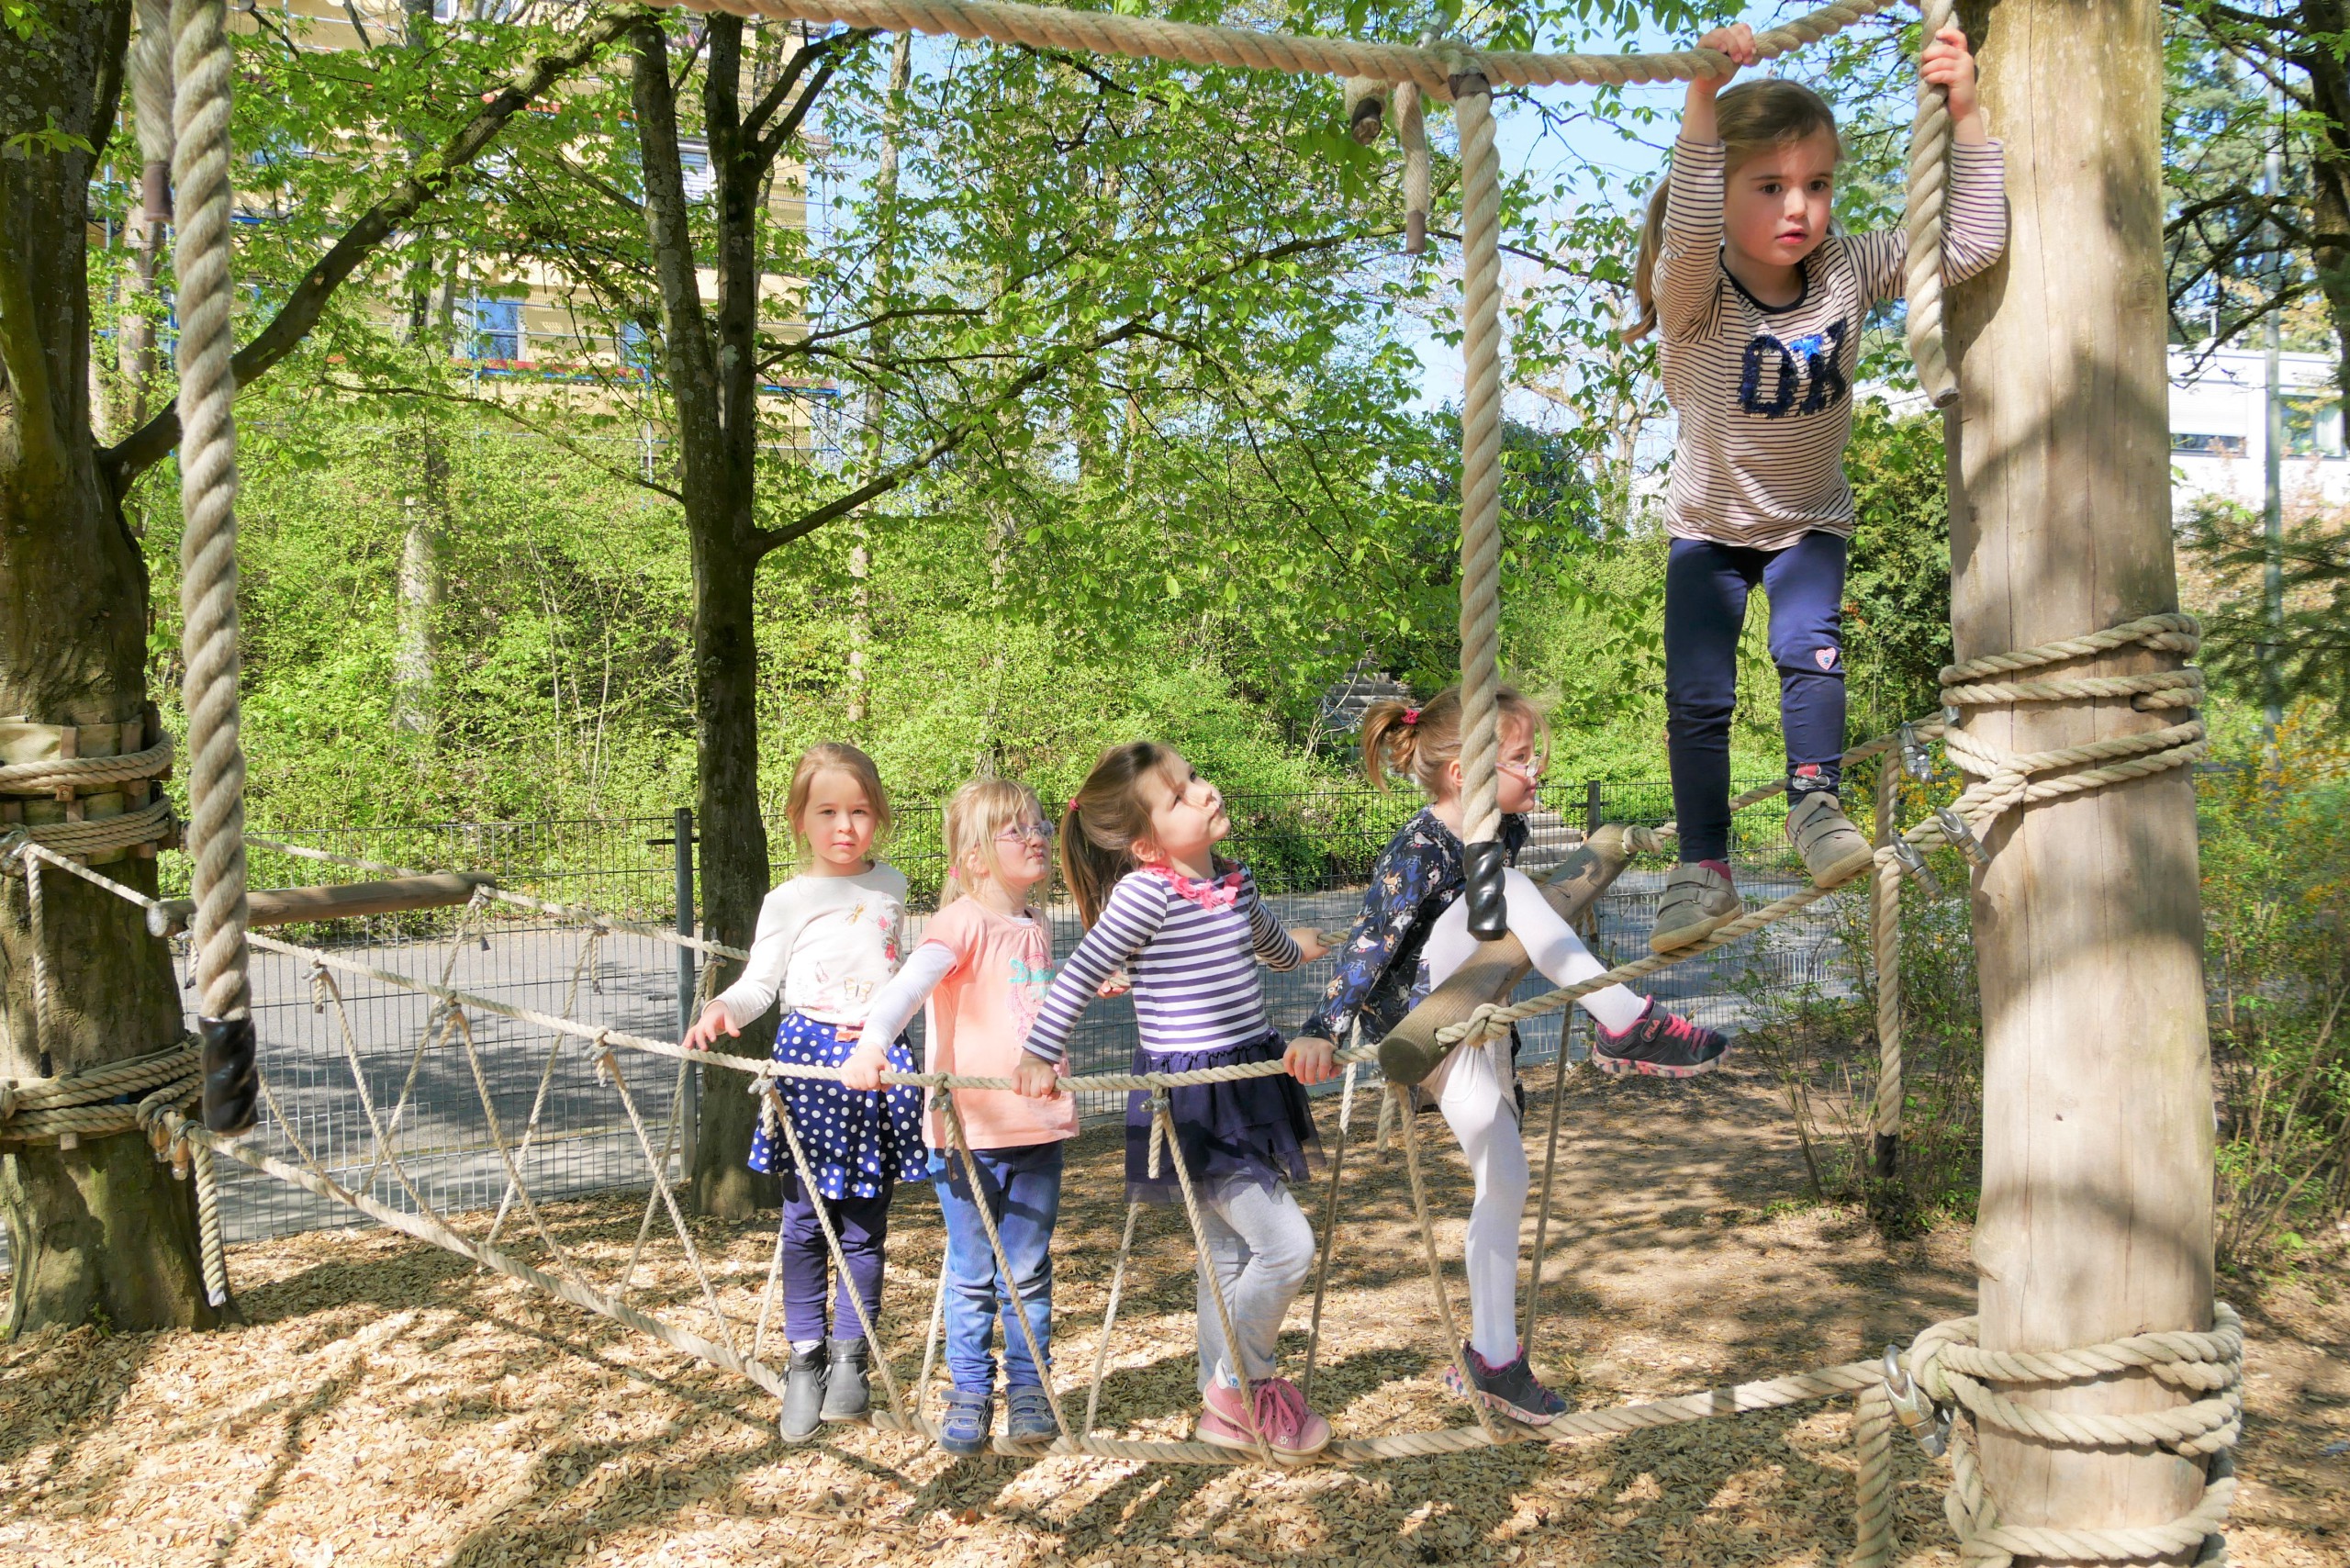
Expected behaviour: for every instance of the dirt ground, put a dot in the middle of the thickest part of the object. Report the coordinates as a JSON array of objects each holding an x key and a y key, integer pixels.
[{"x": 387, "y": 1402}]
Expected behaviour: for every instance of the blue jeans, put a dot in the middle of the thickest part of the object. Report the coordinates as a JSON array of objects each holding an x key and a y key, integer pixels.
[
  {"x": 1705, "y": 586},
  {"x": 1023, "y": 1190}
]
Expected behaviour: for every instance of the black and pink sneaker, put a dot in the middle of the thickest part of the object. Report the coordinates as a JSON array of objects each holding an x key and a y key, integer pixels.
[{"x": 1662, "y": 1044}]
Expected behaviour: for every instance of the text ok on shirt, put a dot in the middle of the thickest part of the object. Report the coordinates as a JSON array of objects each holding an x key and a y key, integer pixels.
[{"x": 1799, "y": 375}]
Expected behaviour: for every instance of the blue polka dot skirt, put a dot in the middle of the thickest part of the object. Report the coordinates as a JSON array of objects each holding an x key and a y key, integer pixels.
[{"x": 858, "y": 1143}]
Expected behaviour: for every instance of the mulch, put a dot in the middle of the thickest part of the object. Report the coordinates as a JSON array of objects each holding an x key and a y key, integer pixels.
[{"x": 387, "y": 1403}]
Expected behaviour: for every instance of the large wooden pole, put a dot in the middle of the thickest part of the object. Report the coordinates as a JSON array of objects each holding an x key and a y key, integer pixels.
[{"x": 2096, "y": 1219}]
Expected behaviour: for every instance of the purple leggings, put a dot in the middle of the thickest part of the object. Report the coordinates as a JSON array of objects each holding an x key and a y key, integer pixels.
[{"x": 863, "y": 1225}]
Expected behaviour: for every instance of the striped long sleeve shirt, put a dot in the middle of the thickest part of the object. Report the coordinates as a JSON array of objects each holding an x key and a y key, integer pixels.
[
  {"x": 1764, "y": 394},
  {"x": 1191, "y": 950}
]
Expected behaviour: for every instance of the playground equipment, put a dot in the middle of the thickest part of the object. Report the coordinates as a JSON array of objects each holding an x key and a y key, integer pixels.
[{"x": 2071, "y": 1425}]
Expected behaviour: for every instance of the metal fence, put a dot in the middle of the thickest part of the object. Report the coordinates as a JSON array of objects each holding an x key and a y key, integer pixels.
[{"x": 1311, "y": 852}]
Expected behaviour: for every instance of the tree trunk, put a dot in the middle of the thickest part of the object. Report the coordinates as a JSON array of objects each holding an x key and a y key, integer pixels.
[
  {"x": 885, "y": 267},
  {"x": 413, "y": 708},
  {"x": 2095, "y": 1217},
  {"x": 101, "y": 1232},
  {"x": 717, "y": 447}
]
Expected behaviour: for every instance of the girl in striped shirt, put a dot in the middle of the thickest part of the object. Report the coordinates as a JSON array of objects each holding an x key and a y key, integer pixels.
[
  {"x": 1761, "y": 307},
  {"x": 1138, "y": 850}
]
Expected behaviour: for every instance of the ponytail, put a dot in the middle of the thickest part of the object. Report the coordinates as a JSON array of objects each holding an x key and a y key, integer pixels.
[
  {"x": 1644, "y": 264},
  {"x": 1104, "y": 818},
  {"x": 1424, "y": 742}
]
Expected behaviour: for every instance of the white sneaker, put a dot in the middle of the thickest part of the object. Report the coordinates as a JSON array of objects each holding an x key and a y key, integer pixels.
[
  {"x": 1833, "y": 850},
  {"x": 1698, "y": 900}
]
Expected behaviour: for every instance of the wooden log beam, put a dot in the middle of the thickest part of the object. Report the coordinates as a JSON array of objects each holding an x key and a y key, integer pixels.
[
  {"x": 283, "y": 906},
  {"x": 1410, "y": 1051},
  {"x": 2096, "y": 1216}
]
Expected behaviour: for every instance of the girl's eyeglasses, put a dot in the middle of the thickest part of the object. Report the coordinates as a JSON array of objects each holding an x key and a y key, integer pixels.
[
  {"x": 1529, "y": 771},
  {"x": 1019, "y": 832}
]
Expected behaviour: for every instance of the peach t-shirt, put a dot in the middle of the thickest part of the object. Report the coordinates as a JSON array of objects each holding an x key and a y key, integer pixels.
[{"x": 979, "y": 1016}]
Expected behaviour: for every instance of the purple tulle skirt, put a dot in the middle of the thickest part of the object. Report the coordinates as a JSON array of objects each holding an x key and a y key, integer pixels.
[{"x": 1247, "y": 1129}]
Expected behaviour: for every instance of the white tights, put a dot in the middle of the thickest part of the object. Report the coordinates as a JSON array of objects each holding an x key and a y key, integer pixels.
[{"x": 1477, "y": 1103}]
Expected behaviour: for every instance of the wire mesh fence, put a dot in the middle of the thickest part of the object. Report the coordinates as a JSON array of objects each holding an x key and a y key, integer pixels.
[{"x": 396, "y": 1095}]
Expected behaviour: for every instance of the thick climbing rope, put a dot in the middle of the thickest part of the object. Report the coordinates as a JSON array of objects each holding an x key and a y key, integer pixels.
[
  {"x": 1928, "y": 198},
  {"x": 1431, "y": 67},
  {"x": 1885, "y": 941},
  {"x": 1481, "y": 503},
  {"x": 202, "y": 66}
]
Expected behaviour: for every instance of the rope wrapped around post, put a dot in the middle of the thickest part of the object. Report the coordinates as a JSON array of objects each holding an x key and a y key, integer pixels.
[
  {"x": 203, "y": 65},
  {"x": 1483, "y": 860},
  {"x": 1945, "y": 1390}
]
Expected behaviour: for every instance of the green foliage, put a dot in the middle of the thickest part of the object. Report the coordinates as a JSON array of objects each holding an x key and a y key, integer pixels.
[
  {"x": 2276, "y": 837},
  {"x": 1896, "y": 591},
  {"x": 2311, "y": 643}
]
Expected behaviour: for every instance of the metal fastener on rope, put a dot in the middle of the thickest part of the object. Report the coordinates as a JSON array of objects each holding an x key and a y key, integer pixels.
[
  {"x": 1960, "y": 836},
  {"x": 1952, "y": 717},
  {"x": 1916, "y": 760},
  {"x": 1913, "y": 861}
]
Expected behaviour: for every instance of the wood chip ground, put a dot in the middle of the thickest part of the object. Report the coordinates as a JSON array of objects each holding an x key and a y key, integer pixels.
[{"x": 387, "y": 1402}]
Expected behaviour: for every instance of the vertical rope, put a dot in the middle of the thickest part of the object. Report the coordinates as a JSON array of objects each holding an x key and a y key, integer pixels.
[
  {"x": 1480, "y": 500},
  {"x": 1549, "y": 1186},
  {"x": 1213, "y": 1276},
  {"x": 1109, "y": 1321},
  {"x": 1329, "y": 1229},
  {"x": 1885, "y": 930},
  {"x": 1412, "y": 133},
  {"x": 1018, "y": 1302},
  {"x": 36, "y": 919},
  {"x": 1929, "y": 193},
  {"x": 150, "y": 90},
  {"x": 1872, "y": 1540},
  {"x": 210, "y": 1250},
  {"x": 202, "y": 62}
]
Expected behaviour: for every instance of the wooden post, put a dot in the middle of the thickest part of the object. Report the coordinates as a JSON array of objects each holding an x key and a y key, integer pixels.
[{"x": 2096, "y": 1218}]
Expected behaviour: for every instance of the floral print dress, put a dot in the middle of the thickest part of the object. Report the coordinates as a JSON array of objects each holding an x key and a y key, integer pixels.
[{"x": 1381, "y": 975}]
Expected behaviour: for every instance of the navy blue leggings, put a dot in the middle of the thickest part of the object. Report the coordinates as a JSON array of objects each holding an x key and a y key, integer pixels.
[{"x": 1706, "y": 586}]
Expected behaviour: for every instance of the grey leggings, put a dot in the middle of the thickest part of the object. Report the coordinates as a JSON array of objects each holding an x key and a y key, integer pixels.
[{"x": 1261, "y": 1247}]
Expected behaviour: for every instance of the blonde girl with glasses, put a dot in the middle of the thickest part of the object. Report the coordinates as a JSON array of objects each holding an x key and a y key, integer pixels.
[
  {"x": 983, "y": 967},
  {"x": 1412, "y": 934}
]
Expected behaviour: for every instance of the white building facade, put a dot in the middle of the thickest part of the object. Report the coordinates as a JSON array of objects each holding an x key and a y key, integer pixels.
[{"x": 2219, "y": 428}]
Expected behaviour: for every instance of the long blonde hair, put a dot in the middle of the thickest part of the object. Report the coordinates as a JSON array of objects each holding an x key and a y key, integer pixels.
[
  {"x": 826, "y": 755},
  {"x": 1104, "y": 818},
  {"x": 1753, "y": 117},
  {"x": 1399, "y": 738},
  {"x": 980, "y": 811}
]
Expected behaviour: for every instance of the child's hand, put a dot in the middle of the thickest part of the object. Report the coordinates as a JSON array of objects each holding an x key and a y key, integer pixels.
[
  {"x": 1311, "y": 1060},
  {"x": 1947, "y": 62},
  {"x": 865, "y": 1066},
  {"x": 1309, "y": 943},
  {"x": 1118, "y": 984},
  {"x": 714, "y": 1020},
  {"x": 1737, "y": 40},
  {"x": 1037, "y": 1077}
]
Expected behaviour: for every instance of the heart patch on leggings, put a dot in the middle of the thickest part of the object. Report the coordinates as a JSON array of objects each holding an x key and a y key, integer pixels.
[{"x": 1826, "y": 658}]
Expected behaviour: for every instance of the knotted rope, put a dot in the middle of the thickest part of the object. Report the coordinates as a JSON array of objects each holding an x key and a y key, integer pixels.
[
  {"x": 1480, "y": 501},
  {"x": 200, "y": 163},
  {"x": 1946, "y": 1378}
]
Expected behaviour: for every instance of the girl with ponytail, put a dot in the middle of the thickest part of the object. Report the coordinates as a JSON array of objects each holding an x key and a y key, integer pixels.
[{"x": 1412, "y": 934}]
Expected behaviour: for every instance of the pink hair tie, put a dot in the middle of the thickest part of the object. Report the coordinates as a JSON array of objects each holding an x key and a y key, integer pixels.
[{"x": 1411, "y": 716}]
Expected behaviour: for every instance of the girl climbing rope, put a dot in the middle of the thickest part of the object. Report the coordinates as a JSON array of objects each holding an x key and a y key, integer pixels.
[
  {"x": 1138, "y": 851},
  {"x": 1761, "y": 309},
  {"x": 827, "y": 940},
  {"x": 983, "y": 964},
  {"x": 1412, "y": 934}
]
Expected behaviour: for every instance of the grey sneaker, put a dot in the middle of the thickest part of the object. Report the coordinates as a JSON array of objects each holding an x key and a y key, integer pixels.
[
  {"x": 1660, "y": 1043},
  {"x": 847, "y": 1398},
  {"x": 1833, "y": 850},
  {"x": 1028, "y": 1415},
  {"x": 1698, "y": 900},
  {"x": 803, "y": 1395},
  {"x": 1512, "y": 1391}
]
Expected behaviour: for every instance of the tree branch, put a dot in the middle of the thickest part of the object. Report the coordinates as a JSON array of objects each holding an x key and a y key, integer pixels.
[
  {"x": 507, "y": 412},
  {"x": 763, "y": 149},
  {"x": 779, "y": 90},
  {"x": 427, "y": 179}
]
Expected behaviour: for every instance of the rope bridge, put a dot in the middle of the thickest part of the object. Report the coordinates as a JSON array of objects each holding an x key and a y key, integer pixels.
[{"x": 1940, "y": 1380}]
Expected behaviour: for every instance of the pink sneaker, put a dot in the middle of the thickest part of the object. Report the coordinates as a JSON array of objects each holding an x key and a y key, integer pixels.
[
  {"x": 1224, "y": 1418},
  {"x": 1292, "y": 1430}
]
